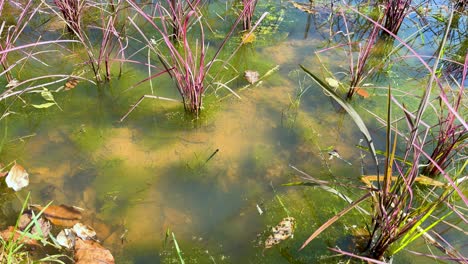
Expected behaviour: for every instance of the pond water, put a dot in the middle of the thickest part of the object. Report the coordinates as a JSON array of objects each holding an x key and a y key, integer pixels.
[{"x": 215, "y": 182}]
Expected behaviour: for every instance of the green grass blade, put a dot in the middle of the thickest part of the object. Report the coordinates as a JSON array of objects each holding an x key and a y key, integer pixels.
[
  {"x": 410, "y": 238},
  {"x": 179, "y": 252},
  {"x": 350, "y": 110}
]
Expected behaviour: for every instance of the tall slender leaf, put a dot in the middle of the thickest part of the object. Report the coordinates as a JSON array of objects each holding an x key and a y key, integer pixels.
[{"x": 350, "y": 110}]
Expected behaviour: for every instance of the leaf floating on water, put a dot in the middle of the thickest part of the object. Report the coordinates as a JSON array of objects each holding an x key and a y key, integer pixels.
[
  {"x": 45, "y": 105},
  {"x": 420, "y": 179},
  {"x": 61, "y": 215},
  {"x": 248, "y": 37},
  {"x": 71, "y": 83},
  {"x": 84, "y": 232},
  {"x": 251, "y": 76},
  {"x": 361, "y": 92},
  {"x": 66, "y": 238},
  {"x": 47, "y": 95},
  {"x": 332, "y": 82},
  {"x": 304, "y": 7},
  {"x": 17, "y": 178},
  {"x": 91, "y": 252},
  {"x": 281, "y": 232}
]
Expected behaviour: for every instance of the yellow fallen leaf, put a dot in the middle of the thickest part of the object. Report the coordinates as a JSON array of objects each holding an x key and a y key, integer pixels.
[{"x": 248, "y": 38}]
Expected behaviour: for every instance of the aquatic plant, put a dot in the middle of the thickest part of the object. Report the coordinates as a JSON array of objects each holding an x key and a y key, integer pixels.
[
  {"x": 395, "y": 13},
  {"x": 71, "y": 12},
  {"x": 249, "y": 7},
  {"x": 360, "y": 68},
  {"x": 178, "y": 12},
  {"x": 9, "y": 46},
  {"x": 400, "y": 212},
  {"x": 359, "y": 71},
  {"x": 114, "y": 41},
  {"x": 452, "y": 136},
  {"x": 186, "y": 63},
  {"x": 9, "y": 38}
]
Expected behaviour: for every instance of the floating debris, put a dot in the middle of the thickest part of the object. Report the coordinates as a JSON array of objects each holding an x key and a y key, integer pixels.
[
  {"x": 84, "y": 232},
  {"x": 260, "y": 211},
  {"x": 304, "y": 7},
  {"x": 71, "y": 83},
  {"x": 17, "y": 178},
  {"x": 248, "y": 37},
  {"x": 12, "y": 84},
  {"x": 66, "y": 238},
  {"x": 281, "y": 232},
  {"x": 332, "y": 82},
  {"x": 334, "y": 154},
  {"x": 251, "y": 76},
  {"x": 361, "y": 92}
]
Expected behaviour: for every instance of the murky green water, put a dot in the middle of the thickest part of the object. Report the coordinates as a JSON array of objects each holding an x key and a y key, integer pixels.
[{"x": 152, "y": 173}]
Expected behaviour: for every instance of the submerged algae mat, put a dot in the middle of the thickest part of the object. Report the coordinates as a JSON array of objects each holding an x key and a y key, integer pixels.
[{"x": 204, "y": 182}]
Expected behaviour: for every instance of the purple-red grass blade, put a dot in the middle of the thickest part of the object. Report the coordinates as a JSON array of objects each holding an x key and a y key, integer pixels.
[
  {"x": 332, "y": 220},
  {"x": 357, "y": 256}
]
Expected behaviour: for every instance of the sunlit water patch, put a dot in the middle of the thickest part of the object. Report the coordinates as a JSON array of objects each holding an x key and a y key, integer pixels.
[{"x": 215, "y": 182}]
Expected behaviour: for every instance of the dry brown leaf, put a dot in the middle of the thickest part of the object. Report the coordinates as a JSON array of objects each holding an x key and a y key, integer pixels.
[
  {"x": 91, "y": 252},
  {"x": 282, "y": 231},
  {"x": 61, "y": 215},
  {"x": 11, "y": 234},
  {"x": 26, "y": 218},
  {"x": 17, "y": 178},
  {"x": 361, "y": 92}
]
